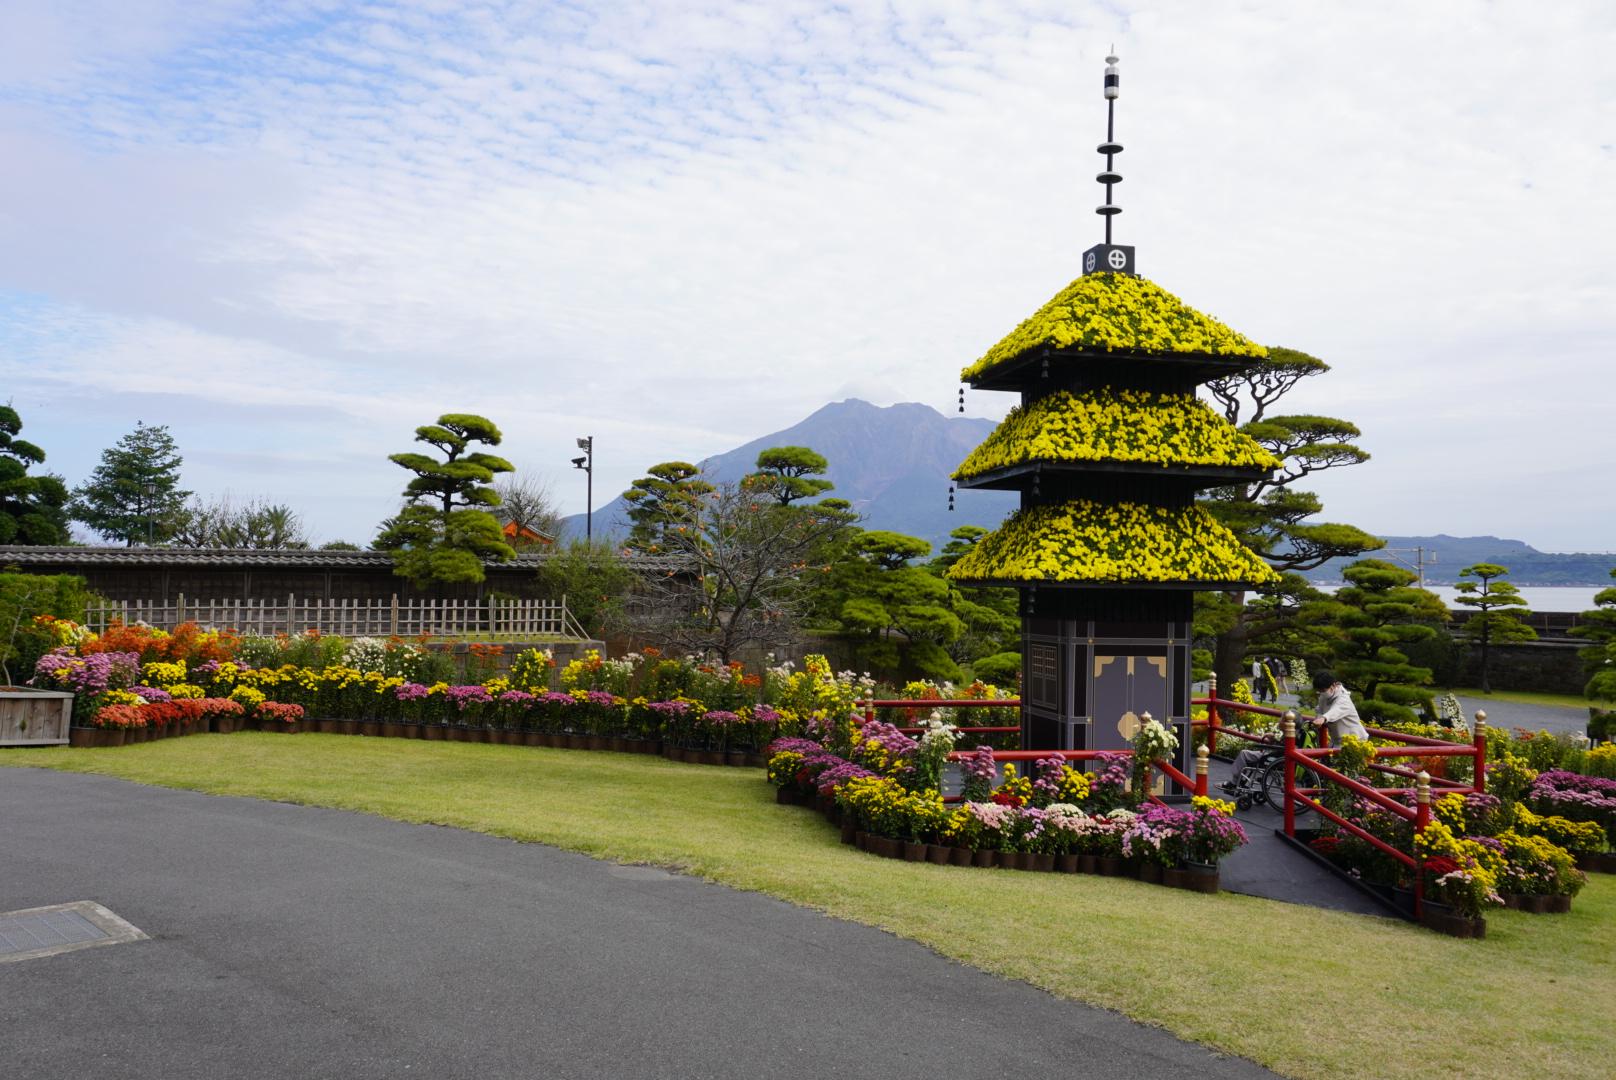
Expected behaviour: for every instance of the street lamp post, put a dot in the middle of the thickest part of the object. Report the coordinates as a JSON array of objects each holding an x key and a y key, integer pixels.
[{"x": 587, "y": 464}]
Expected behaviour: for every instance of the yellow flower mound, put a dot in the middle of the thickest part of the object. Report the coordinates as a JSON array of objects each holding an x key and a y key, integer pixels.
[
  {"x": 1117, "y": 311},
  {"x": 1122, "y": 543},
  {"x": 1116, "y": 425}
]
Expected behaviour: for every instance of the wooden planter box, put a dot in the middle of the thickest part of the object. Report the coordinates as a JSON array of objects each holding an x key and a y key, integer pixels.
[{"x": 34, "y": 717}]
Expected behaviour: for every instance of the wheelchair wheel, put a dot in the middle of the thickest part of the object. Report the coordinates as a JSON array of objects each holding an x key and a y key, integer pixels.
[
  {"x": 1243, "y": 802},
  {"x": 1273, "y": 786}
]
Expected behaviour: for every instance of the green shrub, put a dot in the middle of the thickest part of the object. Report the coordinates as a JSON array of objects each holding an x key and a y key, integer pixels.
[
  {"x": 1000, "y": 669},
  {"x": 24, "y": 596}
]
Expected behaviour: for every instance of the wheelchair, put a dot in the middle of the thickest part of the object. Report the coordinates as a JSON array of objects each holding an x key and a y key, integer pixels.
[{"x": 1262, "y": 781}]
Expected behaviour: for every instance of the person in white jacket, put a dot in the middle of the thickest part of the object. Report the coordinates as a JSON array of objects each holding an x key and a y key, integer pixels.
[{"x": 1335, "y": 709}]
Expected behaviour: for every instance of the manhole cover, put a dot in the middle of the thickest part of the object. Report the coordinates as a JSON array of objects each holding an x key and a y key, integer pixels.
[{"x": 46, "y": 931}]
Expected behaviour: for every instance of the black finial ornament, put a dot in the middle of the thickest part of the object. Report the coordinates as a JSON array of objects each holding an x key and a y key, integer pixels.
[
  {"x": 962, "y": 399},
  {"x": 1109, "y": 258},
  {"x": 950, "y": 498}
]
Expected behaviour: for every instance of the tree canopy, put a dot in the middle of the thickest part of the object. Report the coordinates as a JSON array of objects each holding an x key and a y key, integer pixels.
[
  {"x": 443, "y": 533},
  {"x": 134, "y": 493},
  {"x": 1498, "y": 609},
  {"x": 664, "y": 500},
  {"x": 33, "y": 508},
  {"x": 788, "y": 474},
  {"x": 1371, "y": 622},
  {"x": 1272, "y": 517}
]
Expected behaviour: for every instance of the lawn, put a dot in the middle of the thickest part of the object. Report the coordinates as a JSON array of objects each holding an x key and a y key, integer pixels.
[
  {"x": 1525, "y": 697},
  {"x": 1307, "y": 992}
]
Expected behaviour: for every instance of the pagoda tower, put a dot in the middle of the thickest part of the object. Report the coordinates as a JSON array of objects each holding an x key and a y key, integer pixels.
[{"x": 1108, "y": 448}]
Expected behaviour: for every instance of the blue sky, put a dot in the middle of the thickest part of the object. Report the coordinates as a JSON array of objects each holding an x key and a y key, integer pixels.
[{"x": 293, "y": 231}]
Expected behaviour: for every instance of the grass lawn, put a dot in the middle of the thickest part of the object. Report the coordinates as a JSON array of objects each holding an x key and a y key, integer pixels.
[
  {"x": 1526, "y": 697},
  {"x": 1307, "y": 992}
]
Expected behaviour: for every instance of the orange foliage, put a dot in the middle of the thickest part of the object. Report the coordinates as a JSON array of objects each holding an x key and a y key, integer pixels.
[{"x": 186, "y": 642}]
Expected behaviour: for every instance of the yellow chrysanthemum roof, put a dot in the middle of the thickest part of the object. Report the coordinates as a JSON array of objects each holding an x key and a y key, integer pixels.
[
  {"x": 1122, "y": 543},
  {"x": 1116, "y": 425},
  {"x": 1118, "y": 311}
]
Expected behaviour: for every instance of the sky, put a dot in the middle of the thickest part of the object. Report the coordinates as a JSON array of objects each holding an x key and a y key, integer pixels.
[{"x": 292, "y": 231}]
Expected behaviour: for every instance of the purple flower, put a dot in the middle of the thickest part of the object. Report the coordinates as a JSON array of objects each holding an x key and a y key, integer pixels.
[
  {"x": 151, "y": 693},
  {"x": 670, "y": 710},
  {"x": 88, "y": 674},
  {"x": 720, "y": 717},
  {"x": 410, "y": 691},
  {"x": 463, "y": 697},
  {"x": 793, "y": 746},
  {"x": 516, "y": 697}
]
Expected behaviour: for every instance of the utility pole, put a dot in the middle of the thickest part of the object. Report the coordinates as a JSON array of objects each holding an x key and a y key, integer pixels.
[
  {"x": 1421, "y": 560},
  {"x": 587, "y": 464}
]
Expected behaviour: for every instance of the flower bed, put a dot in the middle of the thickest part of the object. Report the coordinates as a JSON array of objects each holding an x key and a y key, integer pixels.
[
  {"x": 883, "y": 788},
  {"x": 643, "y": 702},
  {"x": 1479, "y": 851}
]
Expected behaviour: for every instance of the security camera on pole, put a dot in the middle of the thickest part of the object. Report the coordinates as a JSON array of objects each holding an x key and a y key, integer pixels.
[{"x": 587, "y": 464}]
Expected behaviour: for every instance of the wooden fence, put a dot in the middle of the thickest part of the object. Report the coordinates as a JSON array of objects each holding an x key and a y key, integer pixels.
[{"x": 508, "y": 618}]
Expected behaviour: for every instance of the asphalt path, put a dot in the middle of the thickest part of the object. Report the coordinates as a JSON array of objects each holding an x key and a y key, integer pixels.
[{"x": 292, "y": 942}]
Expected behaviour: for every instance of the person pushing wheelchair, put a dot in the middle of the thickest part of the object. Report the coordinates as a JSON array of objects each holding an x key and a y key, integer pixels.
[{"x": 1334, "y": 709}]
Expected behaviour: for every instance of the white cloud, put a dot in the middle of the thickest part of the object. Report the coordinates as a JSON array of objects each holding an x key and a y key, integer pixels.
[{"x": 683, "y": 226}]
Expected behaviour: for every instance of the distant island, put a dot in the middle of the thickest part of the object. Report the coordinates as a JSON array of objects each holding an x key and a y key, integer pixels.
[{"x": 1527, "y": 565}]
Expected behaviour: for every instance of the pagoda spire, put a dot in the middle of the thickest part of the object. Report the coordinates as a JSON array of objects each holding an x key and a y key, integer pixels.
[{"x": 1106, "y": 257}]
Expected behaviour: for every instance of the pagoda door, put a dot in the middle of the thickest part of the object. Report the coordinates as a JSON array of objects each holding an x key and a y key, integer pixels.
[{"x": 1123, "y": 688}]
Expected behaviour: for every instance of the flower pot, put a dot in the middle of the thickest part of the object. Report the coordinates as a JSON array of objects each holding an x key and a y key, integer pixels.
[
  {"x": 1066, "y": 864},
  {"x": 1013, "y": 860},
  {"x": 1041, "y": 862},
  {"x": 1557, "y": 905},
  {"x": 861, "y": 839},
  {"x": 884, "y": 846},
  {"x": 713, "y": 757},
  {"x": 1087, "y": 864},
  {"x": 1443, "y": 920},
  {"x": 1599, "y": 862},
  {"x": 960, "y": 856},
  {"x": 115, "y": 737},
  {"x": 738, "y": 759},
  {"x": 849, "y": 833},
  {"x": 86, "y": 736},
  {"x": 914, "y": 852},
  {"x": 786, "y": 796},
  {"x": 532, "y": 738},
  {"x": 938, "y": 854},
  {"x": 832, "y": 812},
  {"x": 434, "y": 732},
  {"x": 372, "y": 728},
  {"x": 1512, "y": 901},
  {"x": 1108, "y": 865},
  {"x": 985, "y": 857},
  {"x": 392, "y": 730},
  {"x": 577, "y": 742},
  {"x": 757, "y": 761},
  {"x": 1197, "y": 877},
  {"x": 1150, "y": 872}
]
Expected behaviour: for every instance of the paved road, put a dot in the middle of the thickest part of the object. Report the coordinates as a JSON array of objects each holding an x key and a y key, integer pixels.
[
  {"x": 1512, "y": 714},
  {"x": 295, "y": 943}
]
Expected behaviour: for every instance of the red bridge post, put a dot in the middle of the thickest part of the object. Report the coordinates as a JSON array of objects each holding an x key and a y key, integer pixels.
[
  {"x": 1201, "y": 754},
  {"x": 1480, "y": 784},
  {"x": 1288, "y": 730},
  {"x": 1212, "y": 712},
  {"x": 1422, "y": 818}
]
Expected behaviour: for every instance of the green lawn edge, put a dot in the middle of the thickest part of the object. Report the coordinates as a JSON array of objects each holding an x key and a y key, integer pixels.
[{"x": 1307, "y": 992}]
